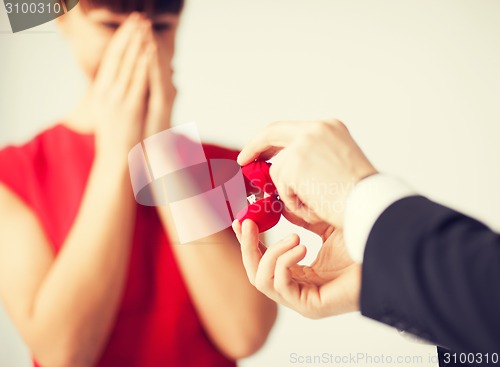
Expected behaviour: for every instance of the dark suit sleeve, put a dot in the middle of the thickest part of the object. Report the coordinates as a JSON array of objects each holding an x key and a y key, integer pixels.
[{"x": 435, "y": 273}]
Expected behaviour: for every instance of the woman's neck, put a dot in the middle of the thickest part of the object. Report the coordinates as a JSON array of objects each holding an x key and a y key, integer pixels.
[{"x": 79, "y": 120}]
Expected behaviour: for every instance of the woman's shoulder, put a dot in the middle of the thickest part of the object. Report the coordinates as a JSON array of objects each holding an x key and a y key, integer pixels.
[
  {"x": 214, "y": 151},
  {"x": 17, "y": 162},
  {"x": 48, "y": 174},
  {"x": 49, "y": 138},
  {"x": 25, "y": 165}
]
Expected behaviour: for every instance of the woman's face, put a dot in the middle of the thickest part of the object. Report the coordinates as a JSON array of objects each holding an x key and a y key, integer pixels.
[{"x": 90, "y": 31}]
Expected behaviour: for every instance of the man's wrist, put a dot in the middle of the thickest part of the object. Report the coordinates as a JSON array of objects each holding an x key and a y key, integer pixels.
[{"x": 365, "y": 203}]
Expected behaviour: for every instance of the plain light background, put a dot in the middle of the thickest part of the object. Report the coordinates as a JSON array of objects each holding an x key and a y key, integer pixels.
[{"x": 417, "y": 82}]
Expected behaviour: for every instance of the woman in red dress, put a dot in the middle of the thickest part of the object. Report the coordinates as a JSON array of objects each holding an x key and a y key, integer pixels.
[{"x": 88, "y": 277}]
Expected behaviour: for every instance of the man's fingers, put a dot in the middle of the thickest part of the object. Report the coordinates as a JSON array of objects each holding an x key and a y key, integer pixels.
[
  {"x": 271, "y": 140},
  {"x": 319, "y": 227},
  {"x": 286, "y": 193},
  {"x": 292, "y": 202},
  {"x": 251, "y": 255},
  {"x": 288, "y": 197},
  {"x": 283, "y": 282},
  {"x": 237, "y": 229},
  {"x": 109, "y": 66},
  {"x": 264, "y": 279}
]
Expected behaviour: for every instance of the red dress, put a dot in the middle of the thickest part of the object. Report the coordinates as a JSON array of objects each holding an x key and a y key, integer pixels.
[{"x": 157, "y": 324}]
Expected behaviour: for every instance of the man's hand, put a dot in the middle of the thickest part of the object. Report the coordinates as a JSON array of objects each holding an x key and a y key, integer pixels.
[
  {"x": 330, "y": 286},
  {"x": 318, "y": 165}
]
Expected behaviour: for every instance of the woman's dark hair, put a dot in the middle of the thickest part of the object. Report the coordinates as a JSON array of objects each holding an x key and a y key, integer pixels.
[{"x": 149, "y": 7}]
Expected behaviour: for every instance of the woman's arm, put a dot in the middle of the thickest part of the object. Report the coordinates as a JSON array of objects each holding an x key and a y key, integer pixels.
[
  {"x": 65, "y": 306},
  {"x": 236, "y": 316}
]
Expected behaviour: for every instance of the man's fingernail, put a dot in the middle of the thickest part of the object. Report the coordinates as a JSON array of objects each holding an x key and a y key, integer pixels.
[
  {"x": 245, "y": 224},
  {"x": 297, "y": 248}
]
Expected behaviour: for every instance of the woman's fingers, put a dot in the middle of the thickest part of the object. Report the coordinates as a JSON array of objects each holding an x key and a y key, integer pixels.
[
  {"x": 131, "y": 58},
  {"x": 158, "y": 80},
  {"x": 111, "y": 60},
  {"x": 162, "y": 91},
  {"x": 156, "y": 98},
  {"x": 138, "y": 88}
]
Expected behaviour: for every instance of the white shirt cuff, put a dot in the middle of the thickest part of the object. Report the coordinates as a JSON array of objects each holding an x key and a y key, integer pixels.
[{"x": 365, "y": 204}]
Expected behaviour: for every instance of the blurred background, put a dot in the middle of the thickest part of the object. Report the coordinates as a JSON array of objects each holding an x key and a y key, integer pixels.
[{"x": 417, "y": 82}]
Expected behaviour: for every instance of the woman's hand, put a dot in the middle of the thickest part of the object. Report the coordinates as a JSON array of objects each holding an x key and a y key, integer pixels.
[
  {"x": 61, "y": 327},
  {"x": 330, "y": 286},
  {"x": 132, "y": 94},
  {"x": 116, "y": 102},
  {"x": 162, "y": 91}
]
